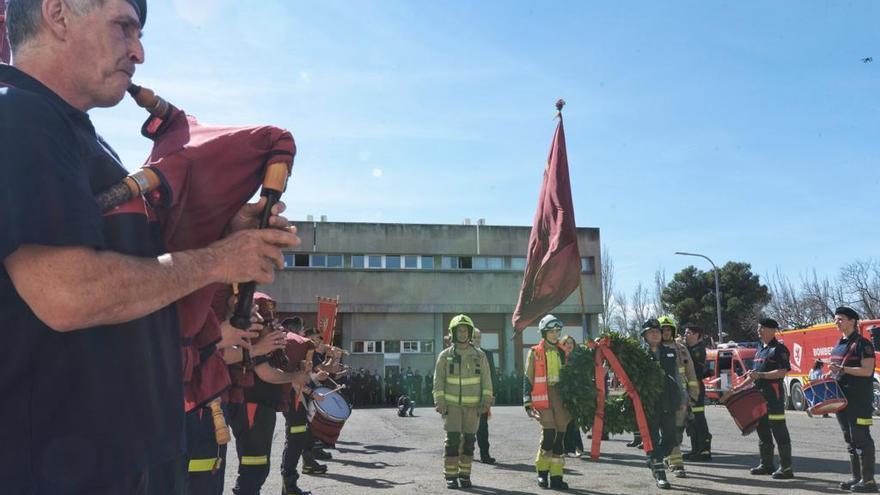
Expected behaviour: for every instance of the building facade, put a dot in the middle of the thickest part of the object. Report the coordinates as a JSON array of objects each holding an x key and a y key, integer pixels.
[{"x": 399, "y": 285}]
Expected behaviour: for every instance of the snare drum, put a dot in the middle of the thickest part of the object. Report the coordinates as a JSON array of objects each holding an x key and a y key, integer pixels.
[
  {"x": 747, "y": 408},
  {"x": 329, "y": 415},
  {"x": 824, "y": 396}
]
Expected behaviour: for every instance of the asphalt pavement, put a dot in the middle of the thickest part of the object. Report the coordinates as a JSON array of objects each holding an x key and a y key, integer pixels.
[{"x": 379, "y": 452}]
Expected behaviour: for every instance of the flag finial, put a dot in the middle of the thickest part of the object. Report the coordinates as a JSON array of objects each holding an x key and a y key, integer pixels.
[{"x": 559, "y": 104}]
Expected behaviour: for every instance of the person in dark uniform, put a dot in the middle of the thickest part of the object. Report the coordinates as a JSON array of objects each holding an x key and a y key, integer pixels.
[
  {"x": 852, "y": 364},
  {"x": 404, "y": 405},
  {"x": 769, "y": 368},
  {"x": 698, "y": 428},
  {"x": 664, "y": 432},
  {"x": 483, "y": 429}
]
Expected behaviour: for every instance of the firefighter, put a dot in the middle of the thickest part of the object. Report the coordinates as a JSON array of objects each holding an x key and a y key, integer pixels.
[
  {"x": 543, "y": 402},
  {"x": 699, "y": 430},
  {"x": 462, "y": 391},
  {"x": 690, "y": 391},
  {"x": 852, "y": 365},
  {"x": 662, "y": 423},
  {"x": 769, "y": 368}
]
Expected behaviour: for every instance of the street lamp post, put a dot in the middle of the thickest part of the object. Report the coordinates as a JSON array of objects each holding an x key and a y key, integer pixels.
[{"x": 717, "y": 288}]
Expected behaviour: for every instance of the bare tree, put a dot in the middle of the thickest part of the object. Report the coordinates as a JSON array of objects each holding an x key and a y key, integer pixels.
[
  {"x": 821, "y": 296},
  {"x": 641, "y": 305},
  {"x": 659, "y": 285},
  {"x": 860, "y": 281},
  {"x": 622, "y": 318},
  {"x": 608, "y": 303},
  {"x": 788, "y": 305}
]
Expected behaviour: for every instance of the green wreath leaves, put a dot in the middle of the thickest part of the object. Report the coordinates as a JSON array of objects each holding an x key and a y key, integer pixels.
[{"x": 577, "y": 382}]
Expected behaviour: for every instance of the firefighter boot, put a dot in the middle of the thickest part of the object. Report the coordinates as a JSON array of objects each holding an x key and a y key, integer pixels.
[
  {"x": 464, "y": 481},
  {"x": 660, "y": 476},
  {"x": 855, "y": 467},
  {"x": 289, "y": 487},
  {"x": 544, "y": 479},
  {"x": 556, "y": 483},
  {"x": 636, "y": 441},
  {"x": 785, "y": 472},
  {"x": 766, "y": 466},
  {"x": 867, "y": 485},
  {"x": 452, "y": 482}
]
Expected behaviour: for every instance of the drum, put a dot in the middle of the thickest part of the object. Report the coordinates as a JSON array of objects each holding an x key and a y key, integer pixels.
[
  {"x": 824, "y": 396},
  {"x": 747, "y": 408},
  {"x": 329, "y": 415}
]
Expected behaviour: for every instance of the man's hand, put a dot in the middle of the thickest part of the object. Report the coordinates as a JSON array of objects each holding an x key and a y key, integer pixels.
[
  {"x": 268, "y": 343},
  {"x": 533, "y": 413},
  {"x": 248, "y": 217},
  {"x": 442, "y": 409},
  {"x": 322, "y": 375},
  {"x": 232, "y": 336},
  {"x": 250, "y": 255}
]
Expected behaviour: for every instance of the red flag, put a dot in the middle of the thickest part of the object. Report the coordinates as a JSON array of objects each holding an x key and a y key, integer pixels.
[
  {"x": 4, "y": 43},
  {"x": 553, "y": 263},
  {"x": 327, "y": 318}
]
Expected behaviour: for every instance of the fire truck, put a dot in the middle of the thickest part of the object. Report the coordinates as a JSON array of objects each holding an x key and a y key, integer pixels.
[
  {"x": 806, "y": 345},
  {"x": 726, "y": 366}
]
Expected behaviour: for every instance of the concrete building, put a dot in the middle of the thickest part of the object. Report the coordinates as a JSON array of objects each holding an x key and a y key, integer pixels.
[{"x": 400, "y": 284}]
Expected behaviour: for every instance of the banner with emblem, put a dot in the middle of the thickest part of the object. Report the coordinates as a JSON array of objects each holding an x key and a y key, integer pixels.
[{"x": 327, "y": 307}]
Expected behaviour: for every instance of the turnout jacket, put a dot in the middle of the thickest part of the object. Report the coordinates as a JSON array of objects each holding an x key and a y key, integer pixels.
[{"x": 463, "y": 378}]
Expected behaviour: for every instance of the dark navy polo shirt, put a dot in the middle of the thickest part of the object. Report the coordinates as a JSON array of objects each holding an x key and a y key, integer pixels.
[
  {"x": 771, "y": 357},
  {"x": 85, "y": 408},
  {"x": 850, "y": 352}
]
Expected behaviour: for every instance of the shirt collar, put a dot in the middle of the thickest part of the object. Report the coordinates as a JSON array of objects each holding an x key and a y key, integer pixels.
[
  {"x": 772, "y": 342},
  {"x": 13, "y": 76}
]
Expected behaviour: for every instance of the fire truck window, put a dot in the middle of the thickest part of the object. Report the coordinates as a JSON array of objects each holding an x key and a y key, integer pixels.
[
  {"x": 710, "y": 368},
  {"x": 724, "y": 362},
  {"x": 738, "y": 368}
]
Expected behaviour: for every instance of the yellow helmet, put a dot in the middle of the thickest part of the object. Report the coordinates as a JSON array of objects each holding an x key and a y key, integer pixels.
[
  {"x": 667, "y": 321},
  {"x": 461, "y": 320}
]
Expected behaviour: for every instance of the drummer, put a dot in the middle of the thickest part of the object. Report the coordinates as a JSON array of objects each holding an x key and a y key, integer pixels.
[
  {"x": 769, "y": 368},
  {"x": 852, "y": 365}
]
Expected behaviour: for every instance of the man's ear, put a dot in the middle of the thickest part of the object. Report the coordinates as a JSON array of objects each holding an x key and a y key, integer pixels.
[{"x": 56, "y": 17}]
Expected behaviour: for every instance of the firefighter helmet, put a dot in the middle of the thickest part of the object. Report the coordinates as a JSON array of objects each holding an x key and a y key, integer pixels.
[
  {"x": 548, "y": 323},
  {"x": 667, "y": 321},
  {"x": 461, "y": 320}
]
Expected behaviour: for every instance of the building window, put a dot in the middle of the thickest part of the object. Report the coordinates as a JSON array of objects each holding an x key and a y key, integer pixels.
[
  {"x": 518, "y": 263},
  {"x": 410, "y": 262},
  {"x": 428, "y": 346},
  {"x": 588, "y": 264},
  {"x": 465, "y": 262},
  {"x": 449, "y": 262},
  {"x": 301, "y": 260},
  {"x": 392, "y": 262},
  {"x": 357, "y": 261},
  {"x": 288, "y": 260},
  {"x": 488, "y": 263},
  {"x": 410, "y": 346},
  {"x": 374, "y": 261},
  {"x": 318, "y": 261},
  {"x": 427, "y": 262},
  {"x": 366, "y": 346},
  {"x": 334, "y": 261},
  {"x": 392, "y": 346}
]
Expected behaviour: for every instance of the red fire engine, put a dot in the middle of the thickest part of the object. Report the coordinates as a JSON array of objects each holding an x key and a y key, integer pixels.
[
  {"x": 806, "y": 345},
  {"x": 726, "y": 366}
]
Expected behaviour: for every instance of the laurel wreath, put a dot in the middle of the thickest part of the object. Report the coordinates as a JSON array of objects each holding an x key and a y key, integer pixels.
[{"x": 577, "y": 382}]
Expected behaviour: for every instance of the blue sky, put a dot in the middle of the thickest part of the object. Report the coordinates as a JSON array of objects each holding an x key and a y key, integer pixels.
[{"x": 744, "y": 130}]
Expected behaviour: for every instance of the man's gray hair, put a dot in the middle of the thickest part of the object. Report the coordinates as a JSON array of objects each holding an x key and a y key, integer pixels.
[{"x": 23, "y": 17}]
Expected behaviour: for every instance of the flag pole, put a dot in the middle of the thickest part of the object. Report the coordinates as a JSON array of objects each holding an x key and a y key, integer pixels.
[{"x": 585, "y": 334}]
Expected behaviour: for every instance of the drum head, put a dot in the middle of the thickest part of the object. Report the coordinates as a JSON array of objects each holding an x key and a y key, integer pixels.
[{"x": 333, "y": 406}]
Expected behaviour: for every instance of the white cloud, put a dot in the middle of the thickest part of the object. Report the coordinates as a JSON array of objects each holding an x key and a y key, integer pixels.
[{"x": 377, "y": 172}]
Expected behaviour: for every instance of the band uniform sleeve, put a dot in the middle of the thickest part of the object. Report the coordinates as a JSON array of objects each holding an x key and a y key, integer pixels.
[
  {"x": 528, "y": 377},
  {"x": 440, "y": 380},
  {"x": 45, "y": 197},
  {"x": 782, "y": 357},
  {"x": 867, "y": 349}
]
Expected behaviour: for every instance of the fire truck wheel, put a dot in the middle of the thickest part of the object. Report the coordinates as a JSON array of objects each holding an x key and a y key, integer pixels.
[{"x": 796, "y": 398}]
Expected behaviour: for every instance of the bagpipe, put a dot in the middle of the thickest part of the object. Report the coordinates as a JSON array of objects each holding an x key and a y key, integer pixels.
[{"x": 195, "y": 180}]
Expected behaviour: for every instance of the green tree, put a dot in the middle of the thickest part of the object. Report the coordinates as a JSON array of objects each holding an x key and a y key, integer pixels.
[{"x": 691, "y": 295}]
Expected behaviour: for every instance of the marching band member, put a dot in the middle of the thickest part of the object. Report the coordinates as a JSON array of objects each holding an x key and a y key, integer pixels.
[
  {"x": 769, "y": 368},
  {"x": 543, "y": 402},
  {"x": 462, "y": 391},
  {"x": 852, "y": 364}
]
